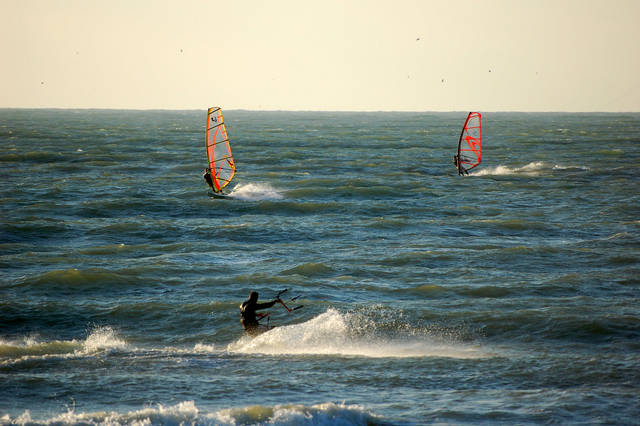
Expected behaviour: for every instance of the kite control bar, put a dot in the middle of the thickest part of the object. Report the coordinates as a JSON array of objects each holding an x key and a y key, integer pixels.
[
  {"x": 292, "y": 300},
  {"x": 261, "y": 316}
]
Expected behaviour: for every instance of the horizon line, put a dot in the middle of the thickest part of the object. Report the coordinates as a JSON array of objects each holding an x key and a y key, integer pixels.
[{"x": 326, "y": 110}]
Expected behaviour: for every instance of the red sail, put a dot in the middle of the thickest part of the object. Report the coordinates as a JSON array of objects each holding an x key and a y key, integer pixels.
[{"x": 470, "y": 143}]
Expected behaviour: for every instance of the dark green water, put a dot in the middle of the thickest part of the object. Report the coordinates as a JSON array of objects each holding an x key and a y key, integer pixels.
[{"x": 509, "y": 296}]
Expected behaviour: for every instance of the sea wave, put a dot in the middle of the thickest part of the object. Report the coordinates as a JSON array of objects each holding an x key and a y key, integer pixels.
[
  {"x": 81, "y": 279},
  {"x": 287, "y": 207},
  {"x": 425, "y": 290},
  {"x": 515, "y": 224},
  {"x": 310, "y": 270},
  {"x": 32, "y": 228},
  {"x": 296, "y": 414},
  {"x": 187, "y": 412},
  {"x": 30, "y": 346},
  {"x": 356, "y": 191},
  {"x": 43, "y": 157},
  {"x": 33, "y": 349},
  {"x": 486, "y": 291},
  {"x": 569, "y": 321},
  {"x": 423, "y": 258}
]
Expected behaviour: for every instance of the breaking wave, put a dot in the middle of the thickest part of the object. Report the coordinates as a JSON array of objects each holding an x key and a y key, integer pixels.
[
  {"x": 187, "y": 412},
  {"x": 31, "y": 348}
]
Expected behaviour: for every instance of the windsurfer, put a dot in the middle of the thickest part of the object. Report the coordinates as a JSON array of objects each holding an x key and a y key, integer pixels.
[
  {"x": 461, "y": 170},
  {"x": 207, "y": 178},
  {"x": 249, "y": 318}
]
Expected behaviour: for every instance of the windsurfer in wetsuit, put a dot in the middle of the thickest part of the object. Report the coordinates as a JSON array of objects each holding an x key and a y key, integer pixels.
[
  {"x": 461, "y": 170},
  {"x": 248, "y": 314},
  {"x": 207, "y": 178}
]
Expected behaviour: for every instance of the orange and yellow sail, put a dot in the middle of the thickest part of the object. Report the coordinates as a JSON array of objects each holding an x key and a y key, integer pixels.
[{"x": 220, "y": 160}]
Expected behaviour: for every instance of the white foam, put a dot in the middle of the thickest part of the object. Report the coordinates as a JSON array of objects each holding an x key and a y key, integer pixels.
[
  {"x": 532, "y": 168},
  {"x": 186, "y": 412},
  {"x": 560, "y": 167},
  {"x": 334, "y": 333},
  {"x": 30, "y": 348},
  {"x": 103, "y": 338},
  {"x": 202, "y": 348},
  {"x": 494, "y": 171},
  {"x": 183, "y": 413},
  {"x": 296, "y": 414},
  {"x": 255, "y": 192}
]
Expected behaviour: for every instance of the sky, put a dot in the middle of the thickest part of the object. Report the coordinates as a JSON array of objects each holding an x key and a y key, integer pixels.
[{"x": 337, "y": 55}]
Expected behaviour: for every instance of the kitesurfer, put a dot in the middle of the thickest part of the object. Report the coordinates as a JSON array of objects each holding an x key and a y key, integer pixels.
[
  {"x": 207, "y": 178},
  {"x": 249, "y": 318}
]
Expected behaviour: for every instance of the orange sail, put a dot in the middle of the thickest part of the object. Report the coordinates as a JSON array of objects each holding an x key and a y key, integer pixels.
[{"x": 221, "y": 164}]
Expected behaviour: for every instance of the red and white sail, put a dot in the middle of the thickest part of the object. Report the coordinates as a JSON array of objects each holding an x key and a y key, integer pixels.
[{"x": 470, "y": 143}]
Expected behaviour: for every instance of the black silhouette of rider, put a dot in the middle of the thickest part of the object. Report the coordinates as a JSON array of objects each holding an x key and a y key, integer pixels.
[{"x": 249, "y": 317}]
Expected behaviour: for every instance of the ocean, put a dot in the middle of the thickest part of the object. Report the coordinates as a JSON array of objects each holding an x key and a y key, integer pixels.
[{"x": 510, "y": 296}]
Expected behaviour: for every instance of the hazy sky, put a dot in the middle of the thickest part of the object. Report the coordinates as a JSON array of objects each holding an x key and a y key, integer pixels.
[{"x": 542, "y": 55}]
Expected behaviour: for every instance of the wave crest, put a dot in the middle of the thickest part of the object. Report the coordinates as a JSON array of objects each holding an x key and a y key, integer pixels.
[
  {"x": 99, "y": 340},
  {"x": 296, "y": 414},
  {"x": 187, "y": 412}
]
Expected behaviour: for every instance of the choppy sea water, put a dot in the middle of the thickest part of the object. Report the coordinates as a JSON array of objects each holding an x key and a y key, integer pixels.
[{"x": 509, "y": 296}]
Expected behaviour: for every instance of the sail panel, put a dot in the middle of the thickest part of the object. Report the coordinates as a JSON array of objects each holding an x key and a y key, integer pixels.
[
  {"x": 219, "y": 154},
  {"x": 470, "y": 143}
]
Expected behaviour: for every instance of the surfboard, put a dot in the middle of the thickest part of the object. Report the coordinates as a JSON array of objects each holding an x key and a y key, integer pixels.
[
  {"x": 219, "y": 195},
  {"x": 221, "y": 165}
]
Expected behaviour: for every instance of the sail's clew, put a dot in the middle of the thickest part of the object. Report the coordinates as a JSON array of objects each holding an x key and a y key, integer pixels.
[{"x": 220, "y": 160}]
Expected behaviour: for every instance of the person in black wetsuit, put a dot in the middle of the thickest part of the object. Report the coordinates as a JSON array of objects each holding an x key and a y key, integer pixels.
[
  {"x": 248, "y": 314},
  {"x": 461, "y": 170},
  {"x": 207, "y": 178}
]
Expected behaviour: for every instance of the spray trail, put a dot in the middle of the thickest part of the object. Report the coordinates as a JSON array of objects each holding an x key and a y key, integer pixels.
[
  {"x": 335, "y": 333},
  {"x": 256, "y": 192}
]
